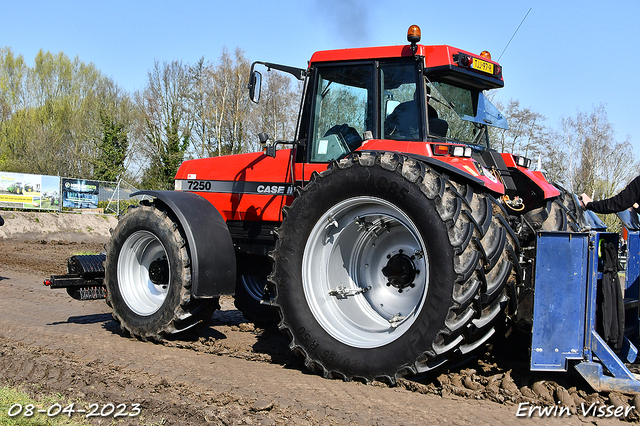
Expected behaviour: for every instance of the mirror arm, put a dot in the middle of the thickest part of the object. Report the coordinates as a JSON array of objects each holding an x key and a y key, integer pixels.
[
  {"x": 270, "y": 146},
  {"x": 298, "y": 73}
]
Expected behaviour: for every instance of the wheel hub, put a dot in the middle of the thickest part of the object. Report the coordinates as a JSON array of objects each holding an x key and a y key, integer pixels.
[
  {"x": 400, "y": 271},
  {"x": 159, "y": 271}
]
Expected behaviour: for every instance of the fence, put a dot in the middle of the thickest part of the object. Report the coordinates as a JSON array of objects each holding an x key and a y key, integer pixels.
[
  {"x": 42, "y": 192},
  {"x": 115, "y": 197}
]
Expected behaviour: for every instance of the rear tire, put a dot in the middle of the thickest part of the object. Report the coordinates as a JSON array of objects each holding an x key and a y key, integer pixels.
[
  {"x": 575, "y": 212},
  {"x": 148, "y": 277},
  {"x": 384, "y": 267},
  {"x": 551, "y": 217}
]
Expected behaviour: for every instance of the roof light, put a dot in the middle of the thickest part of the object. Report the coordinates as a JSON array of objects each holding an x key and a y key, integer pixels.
[
  {"x": 464, "y": 60},
  {"x": 522, "y": 161},
  {"x": 413, "y": 36},
  {"x": 485, "y": 54}
]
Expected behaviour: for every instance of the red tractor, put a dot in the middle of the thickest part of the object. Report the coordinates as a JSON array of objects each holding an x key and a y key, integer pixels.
[{"x": 386, "y": 240}]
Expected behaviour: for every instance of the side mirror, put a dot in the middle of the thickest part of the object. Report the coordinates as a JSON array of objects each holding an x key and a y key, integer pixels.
[
  {"x": 255, "y": 83},
  {"x": 269, "y": 145}
]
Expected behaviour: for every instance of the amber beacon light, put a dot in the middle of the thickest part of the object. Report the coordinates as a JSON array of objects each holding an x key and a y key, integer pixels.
[{"x": 413, "y": 36}]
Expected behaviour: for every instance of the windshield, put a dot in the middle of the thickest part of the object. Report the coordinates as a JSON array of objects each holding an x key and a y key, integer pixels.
[{"x": 466, "y": 112}]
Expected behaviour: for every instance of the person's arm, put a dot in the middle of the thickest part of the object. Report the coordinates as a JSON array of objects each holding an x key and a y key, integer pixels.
[{"x": 625, "y": 199}]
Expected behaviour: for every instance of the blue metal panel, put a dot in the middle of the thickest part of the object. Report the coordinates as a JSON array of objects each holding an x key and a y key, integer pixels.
[
  {"x": 629, "y": 219},
  {"x": 618, "y": 377},
  {"x": 559, "y": 300},
  {"x": 631, "y": 222},
  {"x": 633, "y": 265}
]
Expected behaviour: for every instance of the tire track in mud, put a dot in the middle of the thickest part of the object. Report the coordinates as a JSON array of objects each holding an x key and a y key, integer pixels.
[{"x": 38, "y": 370}]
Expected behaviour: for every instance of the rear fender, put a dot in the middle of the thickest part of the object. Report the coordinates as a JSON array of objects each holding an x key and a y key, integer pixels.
[{"x": 213, "y": 260}]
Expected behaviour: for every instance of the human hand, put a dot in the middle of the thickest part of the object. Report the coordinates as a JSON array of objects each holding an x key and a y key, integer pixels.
[{"x": 584, "y": 199}]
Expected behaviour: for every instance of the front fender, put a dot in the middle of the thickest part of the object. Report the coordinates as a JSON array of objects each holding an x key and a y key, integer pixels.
[
  {"x": 213, "y": 260},
  {"x": 536, "y": 178},
  {"x": 464, "y": 168}
]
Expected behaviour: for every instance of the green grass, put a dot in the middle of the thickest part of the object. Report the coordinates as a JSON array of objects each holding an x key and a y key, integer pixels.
[
  {"x": 17, "y": 402},
  {"x": 13, "y": 401}
]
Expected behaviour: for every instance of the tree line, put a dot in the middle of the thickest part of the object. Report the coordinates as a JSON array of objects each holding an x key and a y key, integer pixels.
[{"x": 62, "y": 116}]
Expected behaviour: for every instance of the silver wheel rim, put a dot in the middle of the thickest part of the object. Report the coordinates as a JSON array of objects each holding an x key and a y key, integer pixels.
[
  {"x": 140, "y": 294},
  {"x": 342, "y": 276}
]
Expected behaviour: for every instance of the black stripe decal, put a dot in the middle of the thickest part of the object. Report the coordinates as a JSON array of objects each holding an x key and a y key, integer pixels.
[{"x": 234, "y": 187}]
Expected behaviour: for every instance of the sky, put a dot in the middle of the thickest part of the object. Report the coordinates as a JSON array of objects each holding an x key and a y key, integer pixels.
[{"x": 568, "y": 56}]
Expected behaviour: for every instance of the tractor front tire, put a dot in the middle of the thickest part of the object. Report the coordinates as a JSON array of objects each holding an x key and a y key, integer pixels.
[
  {"x": 148, "y": 277},
  {"x": 385, "y": 267}
]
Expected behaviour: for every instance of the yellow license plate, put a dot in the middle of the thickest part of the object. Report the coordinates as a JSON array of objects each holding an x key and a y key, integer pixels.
[{"x": 484, "y": 66}]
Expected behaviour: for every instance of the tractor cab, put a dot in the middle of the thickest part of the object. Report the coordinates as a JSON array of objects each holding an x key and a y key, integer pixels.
[{"x": 410, "y": 93}]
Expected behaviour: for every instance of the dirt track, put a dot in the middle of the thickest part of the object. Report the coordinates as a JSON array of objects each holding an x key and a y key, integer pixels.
[{"x": 232, "y": 373}]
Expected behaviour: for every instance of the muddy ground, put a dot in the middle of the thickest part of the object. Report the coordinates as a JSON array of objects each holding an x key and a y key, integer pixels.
[{"x": 232, "y": 372}]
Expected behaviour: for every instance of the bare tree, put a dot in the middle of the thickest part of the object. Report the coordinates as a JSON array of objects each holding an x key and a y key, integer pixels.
[
  {"x": 586, "y": 157},
  {"x": 594, "y": 160},
  {"x": 526, "y": 134},
  {"x": 202, "y": 107},
  {"x": 165, "y": 122},
  {"x": 219, "y": 105},
  {"x": 278, "y": 109},
  {"x": 233, "y": 102}
]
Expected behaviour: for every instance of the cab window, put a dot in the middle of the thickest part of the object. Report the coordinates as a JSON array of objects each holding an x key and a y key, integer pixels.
[
  {"x": 400, "y": 102},
  {"x": 342, "y": 111}
]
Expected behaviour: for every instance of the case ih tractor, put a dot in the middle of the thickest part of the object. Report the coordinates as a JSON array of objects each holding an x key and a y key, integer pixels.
[{"x": 387, "y": 239}]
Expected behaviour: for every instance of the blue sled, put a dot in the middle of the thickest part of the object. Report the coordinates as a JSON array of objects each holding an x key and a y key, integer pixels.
[{"x": 564, "y": 316}]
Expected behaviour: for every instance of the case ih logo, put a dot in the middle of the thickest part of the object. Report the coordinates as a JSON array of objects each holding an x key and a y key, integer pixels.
[{"x": 274, "y": 189}]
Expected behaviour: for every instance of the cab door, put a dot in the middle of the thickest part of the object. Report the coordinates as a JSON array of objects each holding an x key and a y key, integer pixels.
[{"x": 352, "y": 102}]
